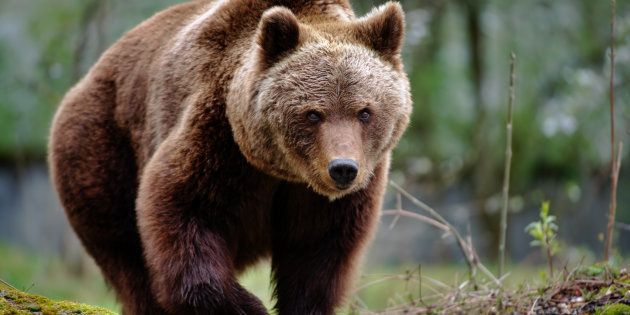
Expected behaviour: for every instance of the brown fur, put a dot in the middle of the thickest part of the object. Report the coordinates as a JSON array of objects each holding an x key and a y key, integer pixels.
[{"x": 185, "y": 155}]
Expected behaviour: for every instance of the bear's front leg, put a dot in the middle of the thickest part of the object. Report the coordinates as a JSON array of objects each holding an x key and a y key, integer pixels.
[
  {"x": 318, "y": 245},
  {"x": 184, "y": 222}
]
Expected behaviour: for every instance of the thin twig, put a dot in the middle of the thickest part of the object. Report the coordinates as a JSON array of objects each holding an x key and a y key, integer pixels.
[
  {"x": 549, "y": 256},
  {"x": 438, "y": 283},
  {"x": 506, "y": 172},
  {"x": 613, "y": 174},
  {"x": 419, "y": 217},
  {"x": 420, "y": 298},
  {"x": 377, "y": 281},
  {"x": 533, "y": 308},
  {"x": 399, "y": 208},
  {"x": 461, "y": 242},
  {"x": 473, "y": 255},
  {"x": 614, "y": 177}
]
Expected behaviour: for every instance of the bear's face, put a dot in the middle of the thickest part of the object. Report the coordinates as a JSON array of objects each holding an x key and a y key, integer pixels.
[
  {"x": 336, "y": 110},
  {"x": 324, "y": 109}
]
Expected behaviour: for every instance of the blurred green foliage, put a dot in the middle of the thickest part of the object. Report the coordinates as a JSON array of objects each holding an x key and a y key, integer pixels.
[
  {"x": 48, "y": 276},
  {"x": 377, "y": 289},
  {"x": 544, "y": 231},
  {"x": 456, "y": 54},
  {"x": 562, "y": 69}
]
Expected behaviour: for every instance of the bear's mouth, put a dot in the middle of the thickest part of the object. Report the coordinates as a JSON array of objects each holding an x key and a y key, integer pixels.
[
  {"x": 343, "y": 187},
  {"x": 334, "y": 190},
  {"x": 329, "y": 189}
]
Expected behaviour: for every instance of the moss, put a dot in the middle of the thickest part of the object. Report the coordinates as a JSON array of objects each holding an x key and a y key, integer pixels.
[
  {"x": 615, "y": 309},
  {"x": 14, "y": 302}
]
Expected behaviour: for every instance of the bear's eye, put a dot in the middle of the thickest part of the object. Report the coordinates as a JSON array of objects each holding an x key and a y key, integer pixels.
[
  {"x": 364, "y": 115},
  {"x": 313, "y": 117}
]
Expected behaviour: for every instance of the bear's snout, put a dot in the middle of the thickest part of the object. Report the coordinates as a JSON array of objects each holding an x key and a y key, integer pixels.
[{"x": 343, "y": 172}]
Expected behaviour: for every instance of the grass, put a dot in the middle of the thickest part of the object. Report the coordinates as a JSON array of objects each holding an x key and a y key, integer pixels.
[
  {"x": 378, "y": 289},
  {"x": 47, "y": 276},
  {"x": 382, "y": 287}
]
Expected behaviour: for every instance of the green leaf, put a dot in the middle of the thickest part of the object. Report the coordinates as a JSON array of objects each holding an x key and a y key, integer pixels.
[{"x": 544, "y": 210}]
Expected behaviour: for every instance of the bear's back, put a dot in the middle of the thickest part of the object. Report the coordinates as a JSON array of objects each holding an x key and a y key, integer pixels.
[
  {"x": 161, "y": 63},
  {"x": 129, "y": 63}
]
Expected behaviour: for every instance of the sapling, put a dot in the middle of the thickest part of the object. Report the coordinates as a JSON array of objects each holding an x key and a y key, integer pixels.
[{"x": 544, "y": 231}]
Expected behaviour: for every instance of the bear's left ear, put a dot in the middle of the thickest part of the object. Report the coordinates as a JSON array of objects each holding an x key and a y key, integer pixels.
[
  {"x": 383, "y": 30},
  {"x": 278, "y": 34}
]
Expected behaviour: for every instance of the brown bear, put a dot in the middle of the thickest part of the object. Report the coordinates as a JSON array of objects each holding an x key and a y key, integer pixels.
[{"x": 219, "y": 133}]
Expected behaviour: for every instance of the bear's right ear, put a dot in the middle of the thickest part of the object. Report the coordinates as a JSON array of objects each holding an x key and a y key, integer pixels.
[{"x": 278, "y": 34}]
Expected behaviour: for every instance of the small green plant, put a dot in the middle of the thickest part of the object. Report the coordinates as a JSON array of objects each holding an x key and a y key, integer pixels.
[
  {"x": 614, "y": 309},
  {"x": 544, "y": 232}
]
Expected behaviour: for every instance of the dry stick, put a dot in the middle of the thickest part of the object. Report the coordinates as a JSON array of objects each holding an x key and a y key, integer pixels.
[
  {"x": 377, "y": 281},
  {"x": 473, "y": 255},
  {"x": 469, "y": 254},
  {"x": 405, "y": 213},
  {"x": 399, "y": 208},
  {"x": 613, "y": 194},
  {"x": 420, "y": 286},
  {"x": 612, "y": 207},
  {"x": 549, "y": 257},
  {"x": 533, "y": 308},
  {"x": 460, "y": 241},
  {"x": 506, "y": 172}
]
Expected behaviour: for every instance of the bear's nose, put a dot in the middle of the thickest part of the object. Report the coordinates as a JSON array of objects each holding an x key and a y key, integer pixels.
[{"x": 343, "y": 171}]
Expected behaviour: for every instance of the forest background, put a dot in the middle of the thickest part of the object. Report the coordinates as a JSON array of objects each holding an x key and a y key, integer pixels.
[{"x": 457, "y": 55}]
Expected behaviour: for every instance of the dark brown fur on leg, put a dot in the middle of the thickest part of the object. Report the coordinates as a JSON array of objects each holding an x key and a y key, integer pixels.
[
  {"x": 98, "y": 193},
  {"x": 124, "y": 270},
  {"x": 318, "y": 243},
  {"x": 192, "y": 224}
]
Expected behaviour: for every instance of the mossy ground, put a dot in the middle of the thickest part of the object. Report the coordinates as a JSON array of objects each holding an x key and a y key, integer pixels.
[
  {"x": 14, "y": 302},
  {"x": 381, "y": 290},
  {"x": 47, "y": 275}
]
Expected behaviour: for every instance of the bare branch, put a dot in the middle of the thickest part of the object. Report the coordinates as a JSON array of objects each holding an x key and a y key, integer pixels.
[
  {"x": 419, "y": 217},
  {"x": 398, "y": 208},
  {"x": 612, "y": 208},
  {"x": 464, "y": 246},
  {"x": 533, "y": 308},
  {"x": 506, "y": 172}
]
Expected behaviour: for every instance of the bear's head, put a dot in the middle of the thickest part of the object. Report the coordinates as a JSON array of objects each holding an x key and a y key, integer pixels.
[{"x": 322, "y": 103}]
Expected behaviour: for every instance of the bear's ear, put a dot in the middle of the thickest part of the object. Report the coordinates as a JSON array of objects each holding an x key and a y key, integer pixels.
[
  {"x": 278, "y": 34},
  {"x": 383, "y": 30}
]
